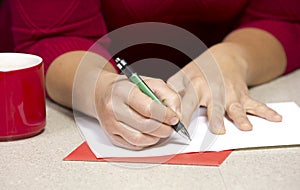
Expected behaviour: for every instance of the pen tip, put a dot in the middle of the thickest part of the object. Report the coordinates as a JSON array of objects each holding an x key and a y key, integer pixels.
[
  {"x": 183, "y": 132},
  {"x": 188, "y": 136}
]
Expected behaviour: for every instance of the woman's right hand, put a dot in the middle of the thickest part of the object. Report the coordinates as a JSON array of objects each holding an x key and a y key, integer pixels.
[{"x": 130, "y": 118}]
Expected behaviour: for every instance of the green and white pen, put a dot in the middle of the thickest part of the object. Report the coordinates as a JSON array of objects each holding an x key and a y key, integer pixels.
[{"x": 136, "y": 79}]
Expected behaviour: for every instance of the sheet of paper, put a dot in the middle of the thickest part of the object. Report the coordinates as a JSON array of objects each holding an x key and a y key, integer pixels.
[{"x": 264, "y": 134}]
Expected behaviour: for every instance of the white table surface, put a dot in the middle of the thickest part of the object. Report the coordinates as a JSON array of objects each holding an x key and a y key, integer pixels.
[{"x": 36, "y": 163}]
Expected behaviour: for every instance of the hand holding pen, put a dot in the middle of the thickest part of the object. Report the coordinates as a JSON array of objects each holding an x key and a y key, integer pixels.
[
  {"x": 136, "y": 79},
  {"x": 131, "y": 118}
]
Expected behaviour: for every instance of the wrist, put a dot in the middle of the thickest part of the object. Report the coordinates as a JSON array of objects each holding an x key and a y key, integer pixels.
[
  {"x": 85, "y": 83},
  {"x": 231, "y": 60}
]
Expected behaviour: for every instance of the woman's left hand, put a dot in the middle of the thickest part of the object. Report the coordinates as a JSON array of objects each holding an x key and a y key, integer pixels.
[{"x": 217, "y": 80}]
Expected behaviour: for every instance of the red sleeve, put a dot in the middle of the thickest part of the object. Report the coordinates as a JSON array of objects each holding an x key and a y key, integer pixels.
[
  {"x": 280, "y": 18},
  {"x": 51, "y": 28}
]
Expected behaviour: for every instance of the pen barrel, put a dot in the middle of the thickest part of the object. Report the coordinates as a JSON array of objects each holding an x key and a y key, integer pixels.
[
  {"x": 136, "y": 79},
  {"x": 128, "y": 71},
  {"x": 177, "y": 127}
]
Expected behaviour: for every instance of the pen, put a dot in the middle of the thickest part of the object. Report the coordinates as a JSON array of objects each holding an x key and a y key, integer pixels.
[{"x": 136, "y": 79}]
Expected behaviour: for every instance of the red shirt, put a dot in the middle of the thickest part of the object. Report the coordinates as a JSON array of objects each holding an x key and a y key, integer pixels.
[{"x": 51, "y": 28}]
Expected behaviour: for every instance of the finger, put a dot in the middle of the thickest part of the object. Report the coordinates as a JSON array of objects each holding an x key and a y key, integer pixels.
[
  {"x": 190, "y": 102},
  {"x": 215, "y": 114},
  {"x": 176, "y": 82},
  {"x": 144, "y": 125},
  {"x": 163, "y": 131},
  {"x": 111, "y": 129},
  {"x": 262, "y": 110},
  {"x": 167, "y": 95},
  {"x": 145, "y": 106},
  {"x": 120, "y": 142},
  {"x": 116, "y": 131},
  {"x": 135, "y": 137},
  {"x": 124, "y": 113},
  {"x": 238, "y": 115}
]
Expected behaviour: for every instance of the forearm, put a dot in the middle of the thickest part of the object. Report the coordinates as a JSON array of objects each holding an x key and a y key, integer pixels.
[
  {"x": 61, "y": 76},
  {"x": 260, "y": 56}
]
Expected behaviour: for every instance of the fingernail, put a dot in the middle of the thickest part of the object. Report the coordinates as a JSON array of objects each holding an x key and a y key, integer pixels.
[
  {"x": 278, "y": 117},
  {"x": 174, "y": 121},
  {"x": 246, "y": 127}
]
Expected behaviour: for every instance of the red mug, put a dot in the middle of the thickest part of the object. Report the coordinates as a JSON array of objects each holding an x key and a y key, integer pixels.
[{"x": 22, "y": 96}]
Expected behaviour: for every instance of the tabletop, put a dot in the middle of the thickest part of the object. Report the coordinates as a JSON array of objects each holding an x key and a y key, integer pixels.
[{"x": 37, "y": 162}]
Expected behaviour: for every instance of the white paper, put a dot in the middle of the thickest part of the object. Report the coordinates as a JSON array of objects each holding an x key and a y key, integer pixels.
[{"x": 264, "y": 133}]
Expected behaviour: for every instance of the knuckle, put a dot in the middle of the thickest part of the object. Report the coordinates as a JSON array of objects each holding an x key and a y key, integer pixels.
[
  {"x": 262, "y": 106},
  {"x": 159, "y": 81},
  {"x": 168, "y": 116},
  {"x": 108, "y": 107},
  {"x": 234, "y": 107},
  {"x": 234, "y": 110},
  {"x": 137, "y": 139},
  {"x": 118, "y": 90},
  {"x": 146, "y": 110},
  {"x": 148, "y": 125},
  {"x": 199, "y": 81},
  {"x": 229, "y": 86},
  {"x": 175, "y": 98}
]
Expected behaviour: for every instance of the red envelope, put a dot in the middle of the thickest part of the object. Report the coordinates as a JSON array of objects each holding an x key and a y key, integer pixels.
[{"x": 84, "y": 153}]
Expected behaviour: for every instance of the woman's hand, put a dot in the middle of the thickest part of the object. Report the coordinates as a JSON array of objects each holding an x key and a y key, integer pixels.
[
  {"x": 200, "y": 84},
  {"x": 130, "y": 118}
]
